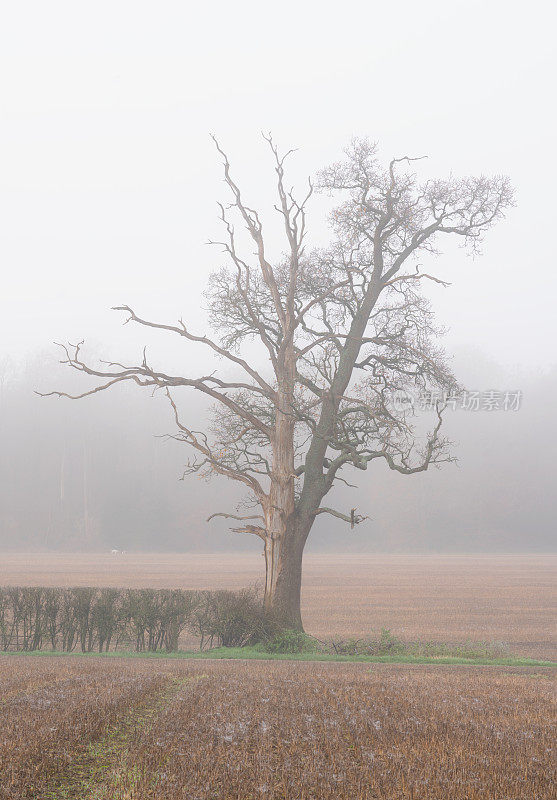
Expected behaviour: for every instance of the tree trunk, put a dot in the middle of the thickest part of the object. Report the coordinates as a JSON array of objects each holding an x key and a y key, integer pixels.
[
  {"x": 283, "y": 544},
  {"x": 284, "y": 601}
]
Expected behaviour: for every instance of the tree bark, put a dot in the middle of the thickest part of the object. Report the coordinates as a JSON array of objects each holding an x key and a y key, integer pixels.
[
  {"x": 284, "y": 601},
  {"x": 283, "y": 553}
]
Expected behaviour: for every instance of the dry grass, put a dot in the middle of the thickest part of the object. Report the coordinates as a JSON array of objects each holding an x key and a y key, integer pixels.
[
  {"x": 509, "y": 599},
  {"x": 279, "y": 731}
]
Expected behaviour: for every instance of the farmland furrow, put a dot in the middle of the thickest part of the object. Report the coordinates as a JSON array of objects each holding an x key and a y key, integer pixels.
[
  {"x": 106, "y": 770},
  {"x": 49, "y": 721}
]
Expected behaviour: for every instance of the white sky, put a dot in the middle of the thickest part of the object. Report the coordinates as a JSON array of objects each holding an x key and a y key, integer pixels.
[{"x": 108, "y": 177}]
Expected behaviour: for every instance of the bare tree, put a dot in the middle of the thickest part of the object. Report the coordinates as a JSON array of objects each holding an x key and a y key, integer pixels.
[{"x": 343, "y": 330}]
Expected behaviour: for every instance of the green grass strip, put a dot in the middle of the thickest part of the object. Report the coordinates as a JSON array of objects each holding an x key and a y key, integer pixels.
[{"x": 251, "y": 653}]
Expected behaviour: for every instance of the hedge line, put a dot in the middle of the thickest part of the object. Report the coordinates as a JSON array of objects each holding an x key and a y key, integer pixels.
[{"x": 89, "y": 619}]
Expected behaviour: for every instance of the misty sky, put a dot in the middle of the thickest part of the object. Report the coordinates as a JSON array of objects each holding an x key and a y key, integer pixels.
[
  {"x": 108, "y": 190},
  {"x": 108, "y": 177}
]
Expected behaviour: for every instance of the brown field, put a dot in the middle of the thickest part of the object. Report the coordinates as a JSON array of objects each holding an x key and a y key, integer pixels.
[
  {"x": 507, "y": 599},
  {"x": 139, "y": 729},
  {"x": 162, "y": 729}
]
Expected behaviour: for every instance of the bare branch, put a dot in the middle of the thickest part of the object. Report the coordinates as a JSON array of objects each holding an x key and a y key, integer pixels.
[
  {"x": 234, "y": 516},
  {"x": 182, "y": 331},
  {"x": 253, "y": 224},
  {"x": 352, "y": 518}
]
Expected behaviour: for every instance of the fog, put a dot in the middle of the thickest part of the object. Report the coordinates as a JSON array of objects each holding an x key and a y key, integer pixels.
[
  {"x": 99, "y": 474},
  {"x": 108, "y": 190}
]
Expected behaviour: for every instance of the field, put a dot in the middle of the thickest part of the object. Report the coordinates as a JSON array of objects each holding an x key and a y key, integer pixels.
[
  {"x": 94, "y": 728},
  {"x": 116, "y": 729},
  {"x": 502, "y": 599}
]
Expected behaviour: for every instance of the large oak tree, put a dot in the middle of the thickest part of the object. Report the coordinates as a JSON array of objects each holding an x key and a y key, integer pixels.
[{"x": 344, "y": 329}]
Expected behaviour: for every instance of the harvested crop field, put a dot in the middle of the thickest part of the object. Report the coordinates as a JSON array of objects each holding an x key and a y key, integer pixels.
[
  {"x": 504, "y": 599},
  {"x": 153, "y": 728}
]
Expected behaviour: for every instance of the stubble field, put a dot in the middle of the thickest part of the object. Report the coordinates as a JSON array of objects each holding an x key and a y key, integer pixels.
[
  {"x": 140, "y": 729},
  {"x": 162, "y": 729},
  {"x": 497, "y": 599}
]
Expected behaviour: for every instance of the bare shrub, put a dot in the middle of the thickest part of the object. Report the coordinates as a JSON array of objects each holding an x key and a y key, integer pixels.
[
  {"x": 88, "y": 619},
  {"x": 231, "y": 619}
]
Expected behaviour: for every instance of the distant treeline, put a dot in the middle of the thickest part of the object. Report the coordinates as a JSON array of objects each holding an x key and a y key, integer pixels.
[
  {"x": 92, "y": 476},
  {"x": 89, "y": 620}
]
